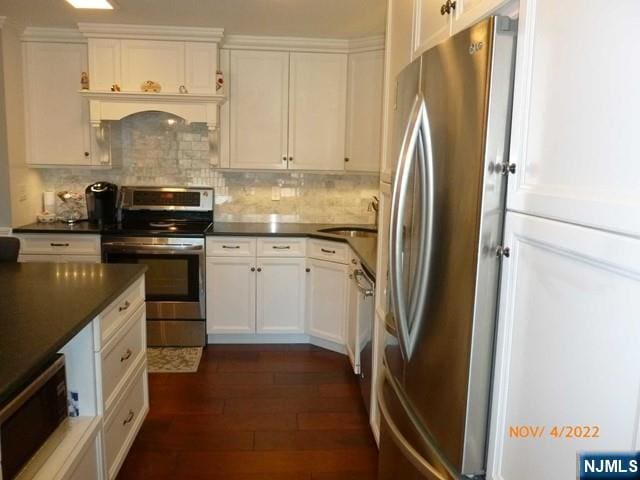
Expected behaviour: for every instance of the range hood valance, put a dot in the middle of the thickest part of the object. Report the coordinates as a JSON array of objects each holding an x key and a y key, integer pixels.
[{"x": 201, "y": 108}]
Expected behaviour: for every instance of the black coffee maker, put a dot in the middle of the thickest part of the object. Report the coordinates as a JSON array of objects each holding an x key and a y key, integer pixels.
[{"x": 101, "y": 202}]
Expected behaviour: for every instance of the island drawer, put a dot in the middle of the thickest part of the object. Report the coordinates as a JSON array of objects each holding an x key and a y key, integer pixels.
[
  {"x": 332, "y": 251},
  {"x": 121, "y": 427},
  {"x": 119, "y": 356},
  {"x": 116, "y": 315},
  {"x": 281, "y": 247},
  {"x": 231, "y": 247},
  {"x": 77, "y": 244}
]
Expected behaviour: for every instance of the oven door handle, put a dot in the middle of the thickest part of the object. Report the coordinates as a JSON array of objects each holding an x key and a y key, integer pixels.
[{"x": 146, "y": 247}]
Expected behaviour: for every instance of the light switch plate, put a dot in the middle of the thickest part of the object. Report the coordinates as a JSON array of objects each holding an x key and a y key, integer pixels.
[{"x": 275, "y": 193}]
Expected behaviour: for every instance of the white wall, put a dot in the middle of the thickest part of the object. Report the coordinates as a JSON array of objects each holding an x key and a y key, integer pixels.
[
  {"x": 5, "y": 196},
  {"x": 25, "y": 189}
]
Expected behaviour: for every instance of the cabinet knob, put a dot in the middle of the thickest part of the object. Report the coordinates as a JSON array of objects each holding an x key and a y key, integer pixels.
[
  {"x": 506, "y": 168},
  {"x": 253, "y": 269},
  {"x": 346, "y": 159},
  {"x": 502, "y": 251},
  {"x": 291, "y": 159},
  {"x": 259, "y": 269},
  {"x": 284, "y": 159},
  {"x": 448, "y": 7},
  {"x": 86, "y": 154},
  {"x": 307, "y": 270}
]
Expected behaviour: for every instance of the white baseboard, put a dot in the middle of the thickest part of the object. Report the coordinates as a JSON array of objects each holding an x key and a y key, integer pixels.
[
  {"x": 5, "y": 231},
  {"x": 262, "y": 338}
]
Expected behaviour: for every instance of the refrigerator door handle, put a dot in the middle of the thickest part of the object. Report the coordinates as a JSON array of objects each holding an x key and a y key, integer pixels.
[
  {"x": 410, "y": 453},
  {"x": 417, "y": 138}
]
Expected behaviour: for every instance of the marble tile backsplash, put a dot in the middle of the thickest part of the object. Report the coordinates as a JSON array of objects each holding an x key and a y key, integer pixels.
[{"x": 155, "y": 148}]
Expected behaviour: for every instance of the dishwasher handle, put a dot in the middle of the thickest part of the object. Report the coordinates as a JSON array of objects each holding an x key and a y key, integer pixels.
[{"x": 367, "y": 291}]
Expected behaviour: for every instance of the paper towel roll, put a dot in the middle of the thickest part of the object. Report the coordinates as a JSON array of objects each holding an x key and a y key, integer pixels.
[{"x": 49, "y": 201}]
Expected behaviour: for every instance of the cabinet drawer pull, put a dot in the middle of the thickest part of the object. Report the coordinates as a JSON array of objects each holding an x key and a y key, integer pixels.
[
  {"x": 59, "y": 244},
  {"x": 231, "y": 247},
  {"x": 125, "y": 306},
  {"x": 127, "y": 355},
  {"x": 277, "y": 247},
  {"x": 129, "y": 418},
  {"x": 328, "y": 251}
]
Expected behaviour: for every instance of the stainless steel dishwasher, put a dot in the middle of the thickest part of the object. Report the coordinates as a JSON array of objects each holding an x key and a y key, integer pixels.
[{"x": 366, "y": 314}]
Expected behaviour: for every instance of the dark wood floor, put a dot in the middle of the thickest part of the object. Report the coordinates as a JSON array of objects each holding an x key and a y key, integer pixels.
[{"x": 256, "y": 412}]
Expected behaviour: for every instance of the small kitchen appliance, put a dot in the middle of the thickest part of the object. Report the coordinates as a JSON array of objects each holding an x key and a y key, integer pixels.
[
  {"x": 101, "y": 202},
  {"x": 163, "y": 228}
]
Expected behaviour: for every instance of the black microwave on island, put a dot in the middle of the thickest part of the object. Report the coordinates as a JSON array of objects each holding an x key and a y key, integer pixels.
[{"x": 27, "y": 421}]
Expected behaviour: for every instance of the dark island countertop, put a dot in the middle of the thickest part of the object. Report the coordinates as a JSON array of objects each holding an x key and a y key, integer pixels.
[
  {"x": 82, "y": 226},
  {"x": 43, "y": 306},
  {"x": 365, "y": 248}
]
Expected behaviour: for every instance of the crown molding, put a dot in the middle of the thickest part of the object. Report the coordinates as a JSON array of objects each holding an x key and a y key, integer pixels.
[
  {"x": 151, "y": 32},
  {"x": 366, "y": 44},
  {"x": 56, "y": 35},
  {"x": 295, "y": 44},
  {"x": 303, "y": 44}
]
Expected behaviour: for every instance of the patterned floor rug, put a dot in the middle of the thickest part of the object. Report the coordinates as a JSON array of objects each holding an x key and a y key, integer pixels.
[{"x": 173, "y": 359}]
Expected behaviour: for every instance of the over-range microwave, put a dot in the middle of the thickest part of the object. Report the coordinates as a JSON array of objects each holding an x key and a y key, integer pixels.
[{"x": 28, "y": 420}]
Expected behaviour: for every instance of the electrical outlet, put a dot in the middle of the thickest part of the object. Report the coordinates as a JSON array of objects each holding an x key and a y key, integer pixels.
[{"x": 275, "y": 193}]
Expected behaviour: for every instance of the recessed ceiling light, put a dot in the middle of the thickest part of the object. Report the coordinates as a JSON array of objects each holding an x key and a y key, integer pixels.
[{"x": 93, "y": 4}]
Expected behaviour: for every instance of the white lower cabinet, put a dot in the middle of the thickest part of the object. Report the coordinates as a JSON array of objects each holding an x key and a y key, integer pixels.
[
  {"x": 249, "y": 294},
  {"x": 567, "y": 349},
  {"x": 327, "y": 287},
  {"x": 59, "y": 248},
  {"x": 280, "y": 295},
  {"x": 231, "y": 287}
]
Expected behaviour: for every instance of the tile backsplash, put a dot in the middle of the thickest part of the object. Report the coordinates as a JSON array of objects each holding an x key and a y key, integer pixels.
[{"x": 155, "y": 148}]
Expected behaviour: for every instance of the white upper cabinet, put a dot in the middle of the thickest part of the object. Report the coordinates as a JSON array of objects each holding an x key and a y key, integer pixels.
[
  {"x": 575, "y": 138},
  {"x": 258, "y": 104},
  {"x": 436, "y": 20},
  {"x": 57, "y": 118},
  {"x": 129, "y": 63},
  {"x": 397, "y": 55},
  {"x": 317, "y": 111},
  {"x": 159, "y": 61},
  {"x": 364, "y": 111},
  {"x": 430, "y": 26},
  {"x": 567, "y": 348}
]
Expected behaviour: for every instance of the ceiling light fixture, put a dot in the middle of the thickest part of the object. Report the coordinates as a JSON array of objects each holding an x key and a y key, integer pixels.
[{"x": 91, "y": 4}]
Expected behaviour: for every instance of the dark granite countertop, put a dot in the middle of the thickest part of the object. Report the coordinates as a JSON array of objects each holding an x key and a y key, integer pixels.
[
  {"x": 82, "y": 226},
  {"x": 365, "y": 248},
  {"x": 43, "y": 306}
]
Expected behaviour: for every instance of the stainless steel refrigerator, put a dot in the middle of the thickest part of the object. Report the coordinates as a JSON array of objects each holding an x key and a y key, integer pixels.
[{"x": 450, "y": 135}]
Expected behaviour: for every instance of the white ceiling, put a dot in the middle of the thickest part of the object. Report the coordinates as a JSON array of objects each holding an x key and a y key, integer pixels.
[{"x": 307, "y": 18}]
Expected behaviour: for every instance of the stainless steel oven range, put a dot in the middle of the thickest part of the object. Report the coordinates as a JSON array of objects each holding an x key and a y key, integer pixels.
[{"x": 163, "y": 228}]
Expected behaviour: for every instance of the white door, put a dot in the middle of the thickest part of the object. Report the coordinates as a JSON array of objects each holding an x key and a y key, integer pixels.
[
  {"x": 469, "y": 12},
  {"x": 575, "y": 139},
  {"x": 567, "y": 348},
  {"x": 364, "y": 117},
  {"x": 258, "y": 109},
  {"x": 327, "y": 299},
  {"x": 231, "y": 295},
  {"x": 57, "y": 118},
  {"x": 280, "y": 295},
  {"x": 317, "y": 111},
  {"x": 430, "y": 25},
  {"x": 155, "y": 60},
  {"x": 398, "y": 49}
]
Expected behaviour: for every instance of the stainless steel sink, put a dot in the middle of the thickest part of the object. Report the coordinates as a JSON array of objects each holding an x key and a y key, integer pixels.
[{"x": 351, "y": 232}]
